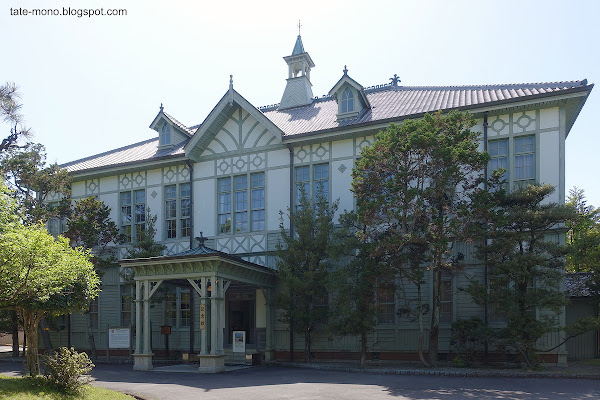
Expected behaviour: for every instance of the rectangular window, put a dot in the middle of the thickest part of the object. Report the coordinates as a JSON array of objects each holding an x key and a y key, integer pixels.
[
  {"x": 184, "y": 308},
  {"x": 385, "y": 304},
  {"x": 224, "y": 205},
  {"x": 241, "y": 203},
  {"x": 498, "y": 150},
  {"x": 133, "y": 213},
  {"x": 171, "y": 211},
  {"x": 177, "y": 307},
  {"x": 315, "y": 186},
  {"x": 524, "y": 161},
  {"x": 258, "y": 201},
  {"x": 321, "y": 306},
  {"x": 446, "y": 300},
  {"x": 185, "y": 209},
  {"x": 171, "y": 309},
  {"x": 93, "y": 311},
  {"x": 126, "y": 305}
]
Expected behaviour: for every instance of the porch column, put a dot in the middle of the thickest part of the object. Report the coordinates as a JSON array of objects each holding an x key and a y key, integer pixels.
[
  {"x": 143, "y": 360},
  {"x": 270, "y": 309},
  {"x": 221, "y": 324},
  {"x": 214, "y": 315},
  {"x": 203, "y": 306},
  {"x": 138, "y": 317}
]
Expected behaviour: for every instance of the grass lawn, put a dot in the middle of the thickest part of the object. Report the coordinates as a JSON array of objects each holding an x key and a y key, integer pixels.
[{"x": 36, "y": 389}]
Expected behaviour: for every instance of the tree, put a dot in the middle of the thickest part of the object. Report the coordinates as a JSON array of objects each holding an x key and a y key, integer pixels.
[
  {"x": 41, "y": 276},
  {"x": 25, "y": 171},
  {"x": 353, "y": 283},
  {"x": 304, "y": 261},
  {"x": 89, "y": 226},
  {"x": 413, "y": 186},
  {"x": 525, "y": 266},
  {"x": 145, "y": 246},
  {"x": 583, "y": 237},
  {"x": 9, "y": 111}
]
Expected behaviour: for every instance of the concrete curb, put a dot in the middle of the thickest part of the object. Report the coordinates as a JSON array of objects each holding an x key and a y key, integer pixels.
[{"x": 475, "y": 373}]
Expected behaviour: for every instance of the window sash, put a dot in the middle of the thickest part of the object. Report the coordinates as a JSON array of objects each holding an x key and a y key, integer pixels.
[{"x": 446, "y": 301}]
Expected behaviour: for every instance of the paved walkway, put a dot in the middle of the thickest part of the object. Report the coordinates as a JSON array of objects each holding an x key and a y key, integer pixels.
[{"x": 273, "y": 382}]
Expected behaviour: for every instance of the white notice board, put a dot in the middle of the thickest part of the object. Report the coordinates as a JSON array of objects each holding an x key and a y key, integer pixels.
[
  {"x": 239, "y": 341},
  {"x": 119, "y": 338}
]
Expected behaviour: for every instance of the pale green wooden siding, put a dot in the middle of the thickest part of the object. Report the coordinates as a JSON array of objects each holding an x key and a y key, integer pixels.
[{"x": 586, "y": 345}]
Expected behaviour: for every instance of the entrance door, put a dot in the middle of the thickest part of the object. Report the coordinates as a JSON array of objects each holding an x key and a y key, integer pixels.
[{"x": 241, "y": 314}]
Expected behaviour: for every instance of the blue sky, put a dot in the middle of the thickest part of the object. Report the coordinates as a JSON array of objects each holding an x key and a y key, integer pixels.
[{"x": 93, "y": 84}]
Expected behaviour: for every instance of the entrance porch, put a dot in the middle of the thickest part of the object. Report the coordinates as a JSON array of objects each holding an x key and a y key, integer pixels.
[{"x": 210, "y": 274}]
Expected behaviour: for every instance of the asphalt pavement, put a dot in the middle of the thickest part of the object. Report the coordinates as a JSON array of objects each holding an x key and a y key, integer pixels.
[{"x": 276, "y": 382}]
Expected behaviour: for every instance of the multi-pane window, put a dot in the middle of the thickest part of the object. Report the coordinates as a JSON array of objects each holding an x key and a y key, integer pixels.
[
  {"x": 446, "y": 300},
  {"x": 524, "y": 160},
  {"x": 185, "y": 209},
  {"x": 248, "y": 194},
  {"x": 385, "y": 304},
  {"x": 165, "y": 134},
  {"x": 93, "y": 312},
  {"x": 173, "y": 214},
  {"x": 126, "y": 305},
  {"x": 498, "y": 150},
  {"x": 347, "y": 100},
  {"x": 177, "y": 308},
  {"x": 133, "y": 213},
  {"x": 321, "y": 307},
  {"x": 171, "y": 211},
  {"x": 320, "y": 182},
  {"x": 258, "y": 201}
]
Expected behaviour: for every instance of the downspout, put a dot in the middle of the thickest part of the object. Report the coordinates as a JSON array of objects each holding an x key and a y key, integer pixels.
[
  {"x": 291, "y": 211},
  {"x": 192, "y": 290},
  {"x": 485, "y": 264}
]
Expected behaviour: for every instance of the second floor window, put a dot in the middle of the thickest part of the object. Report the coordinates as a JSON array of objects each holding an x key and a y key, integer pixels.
[
  {"x": 524, "y": 160},
  {"x": 241, "y": 203},
  {"x": 133, "y": 214},
  {"x": 498, "y": 150},
  {"x": 315, "y": 185},
  {"x": 178, "y": 209}
]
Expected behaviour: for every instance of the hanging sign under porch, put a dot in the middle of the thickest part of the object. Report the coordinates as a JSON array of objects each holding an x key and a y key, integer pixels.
[{"x": 239, "y": 341}]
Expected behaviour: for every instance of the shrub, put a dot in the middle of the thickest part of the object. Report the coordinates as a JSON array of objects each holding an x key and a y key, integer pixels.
[
  {"x": 66, "y": 369},
  {"x": 468, "y": 337}
]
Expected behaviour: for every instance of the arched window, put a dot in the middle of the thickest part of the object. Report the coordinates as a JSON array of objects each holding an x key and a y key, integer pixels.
[
  {"x": 165, "y": 134},
  {"x": 347, "y": 101}
]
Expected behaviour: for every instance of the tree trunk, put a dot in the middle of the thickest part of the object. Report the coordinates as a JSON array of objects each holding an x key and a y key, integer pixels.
[
  {"x": 15, "y": 333},
  {"x": 307, "y": 344},
  {"x": 30, "y": 324},
  {"x": 363, "y": 348},
  {"x": 91, "y": 340},
  {"x": 421, "y": 330},
  {"x": 434, "y": 332},
  {"x": 45, "y": 336}
]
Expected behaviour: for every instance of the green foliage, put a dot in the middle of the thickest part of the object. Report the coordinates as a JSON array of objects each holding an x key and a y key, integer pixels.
[
  {"x": 145, "y": 246},
  {"x": 525, "y": 266},
  {"x": 89, "y": 226},
  {"x": 24, "y": 169},
  {"x": 67, "y": 370},
  {"x": 303, "y": 265},
  {"x": 354, "y": 283},
  {"x": 468, "y": 338},
  {"x": 9, "y": 112},
  {"x": 583, "y": 238},
  {"x": 413, "y": 188}
]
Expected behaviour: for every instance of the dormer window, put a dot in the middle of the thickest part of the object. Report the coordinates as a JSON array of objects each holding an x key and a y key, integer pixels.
[
  {"x": 165, "y": 135},
  {"x": 347, "y": 101}
]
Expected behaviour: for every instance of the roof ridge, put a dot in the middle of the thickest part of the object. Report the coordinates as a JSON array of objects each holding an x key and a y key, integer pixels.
[
  {"x": 107, "y": 152},
  {"x": 177, "y": 122}
]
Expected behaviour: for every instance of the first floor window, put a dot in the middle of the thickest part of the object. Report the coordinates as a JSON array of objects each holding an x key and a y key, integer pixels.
[
  {"x": 93, "y": 312},
  {"x": 126, "y": 305},
  {"x": 321, "y": 306},
  {"x": 446, "y": 300},
  {"x": 177, "y": 308},
  {"x": 385, "y": 304}
]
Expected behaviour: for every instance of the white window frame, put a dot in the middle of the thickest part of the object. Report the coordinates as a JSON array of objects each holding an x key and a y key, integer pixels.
[
  {"x": 315, "y": 178},
  {"x": 165, "y": 135},
  {"x": 231, "y": 194},
  {"x": 133, "y": 224}
]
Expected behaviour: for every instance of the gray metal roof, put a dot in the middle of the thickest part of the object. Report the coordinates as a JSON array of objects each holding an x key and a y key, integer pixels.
[
  {"x": 388, "y": 103},
  {"x": 184, "y": 128}
]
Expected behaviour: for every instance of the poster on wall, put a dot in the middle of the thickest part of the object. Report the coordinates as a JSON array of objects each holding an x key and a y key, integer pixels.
[{"x": 239, "y": 341}]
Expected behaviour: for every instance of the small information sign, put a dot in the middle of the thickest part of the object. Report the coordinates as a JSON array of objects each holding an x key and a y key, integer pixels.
[
  {"x": 239, "y": 341},
  {"x": 119, "y": 338},
  {"x": 202, "y": 316}
]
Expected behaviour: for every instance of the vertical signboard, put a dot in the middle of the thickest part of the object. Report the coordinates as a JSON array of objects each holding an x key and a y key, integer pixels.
[
  {"x": 202, "y": 316},
  {"x": 239, "y": 341}
]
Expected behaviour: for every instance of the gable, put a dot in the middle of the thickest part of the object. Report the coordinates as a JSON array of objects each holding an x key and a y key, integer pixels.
[
  {"x": 233, "y": 126},
  {"x": 240, "y": 132}
]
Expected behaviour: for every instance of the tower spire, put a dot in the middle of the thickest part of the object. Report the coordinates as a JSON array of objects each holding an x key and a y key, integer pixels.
[{"x": 298, "y": 91}]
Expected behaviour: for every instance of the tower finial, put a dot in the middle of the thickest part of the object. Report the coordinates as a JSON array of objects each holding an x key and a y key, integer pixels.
[
  {"x": 395, "y": 80},
  {"x": 345, "y": 70},
  {"x": 299, "y": 26},
  {"x": 161, "y": 107}
]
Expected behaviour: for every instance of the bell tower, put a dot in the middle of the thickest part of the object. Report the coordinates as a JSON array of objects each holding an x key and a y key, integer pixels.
[{"x": 298, "y": 90}]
